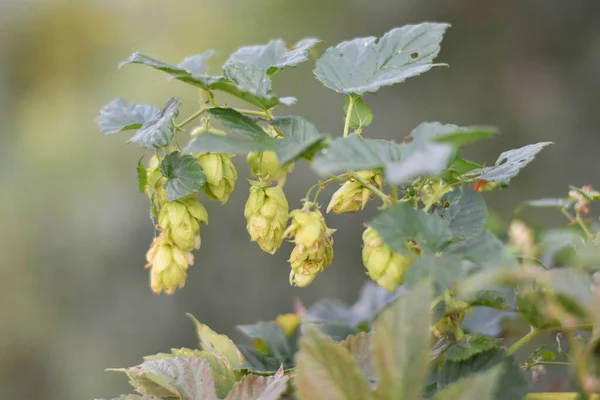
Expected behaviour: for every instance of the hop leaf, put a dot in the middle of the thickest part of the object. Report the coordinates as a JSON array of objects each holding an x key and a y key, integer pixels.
[{"x": 184, "y": 175}]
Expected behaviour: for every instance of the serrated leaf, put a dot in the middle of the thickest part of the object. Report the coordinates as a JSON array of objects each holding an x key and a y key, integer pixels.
[
  {"x": 480, "y": 386},
  {"x": 214, "y": 343},
  {"x": 253, "y": 387},
  {"x": 430, "y": 159},
  {"x": 325, "y": 370},
  {"x": 158, "y": 132},
  {"x": 444, "y": 271},
  {"x": 120, "y": 115},
  {"x": 484, "y": 249},
  {"x": 299, "y": 137},
  {"x": 510, "y": 163},
  {"x": 142, "y": 176},
  {"x": 512, "y": 384},
  {"x": 400, "y": 222},
  {"x": 454, "y": 135},
  {"x": 400, "y": 342},
  {"x": 360, "y": 115},
  {"x": 470, "y": 345},
  {"x": 184, "y": 175},
  {"x": 359, "y": 347},
  {"x": 278, "y": 344},
  {"x": 458, "y": 168},
  {"x": 489, "y": 298},
  {"x": 222, "y": 373},
  {"x": 260, "y": 363},
  {"x": 238, "y": 123},
  {"x": 364, "y": 65},
  {"x": 355, "y": 153},
  {"x": 467, "y": 214}
]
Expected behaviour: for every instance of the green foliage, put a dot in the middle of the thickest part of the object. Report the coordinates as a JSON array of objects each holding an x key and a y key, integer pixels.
[{"x": 411, "y": 335}]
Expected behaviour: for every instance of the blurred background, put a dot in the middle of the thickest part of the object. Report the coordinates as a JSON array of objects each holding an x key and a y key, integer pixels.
[{"x": 75, "y": 297}]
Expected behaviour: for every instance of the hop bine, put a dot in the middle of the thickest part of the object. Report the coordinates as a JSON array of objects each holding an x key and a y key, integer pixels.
[
  {"x": 266, "y": 212},
  {"x": 220, "y": 174},
  {"x": 314, "y": 245},
  {"x": 352, "y": 196}
]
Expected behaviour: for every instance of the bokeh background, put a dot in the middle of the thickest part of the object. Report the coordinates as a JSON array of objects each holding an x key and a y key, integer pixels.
[{"x": 74, "y": 296}]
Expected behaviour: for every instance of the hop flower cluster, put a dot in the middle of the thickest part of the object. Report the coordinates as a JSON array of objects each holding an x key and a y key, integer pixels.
[
  {"x": 265, "y": 165},
  {"x": 220, "y": 174},
  {"x": 314, "y": 245},
  {"x": 266, "y": 212},
  {"x": 353, "y": 196},
  {"x": 384, "y": 266},
  {"x": 170, "y": 254}
]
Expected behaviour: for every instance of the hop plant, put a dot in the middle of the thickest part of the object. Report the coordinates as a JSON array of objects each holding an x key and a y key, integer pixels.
[
  {"x": 383, "y": 265},
  {"x": 180, "y": 221},
  {"x": 220, "y": 174},
  {"x": 168, "y": 265},
  {"x": 314, "y": 245},
  {"x": 353, "y": 196},
  {"x": 266, "y": 212},
  {"x": 265, "y": 165},
  {"x": 155, "y": 183}
]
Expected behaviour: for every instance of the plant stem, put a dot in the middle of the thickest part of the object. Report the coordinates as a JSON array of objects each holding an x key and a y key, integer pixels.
[
  {"x": 521, "y": 342},
  {"x": 256, "y": 113},
  {"x": 559, "y": 363},
  {"x": 211, "y": 98},
  {"x": 348, "y": 113},
  {"x": 191, "y": 118},
  {"x": 577, "y": 220},
  {"x": 384, "y": 197},
  {"x": 394, "y": 194}
]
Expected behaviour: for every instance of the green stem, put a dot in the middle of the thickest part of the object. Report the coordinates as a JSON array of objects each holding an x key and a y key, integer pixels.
[
  {"x": 521, "y": 342},
  {"x": 255, "y": 113},
  {"x": 320, "y": 186},
  {"x": 211, "y": 98},
  {"x": 384, "y": 197},
  {"x": 191, "y": 118},
  {"x": 394, "y": 194},
  {"x": 560, "y": 363},
  {"x": 348, "y": 114}
]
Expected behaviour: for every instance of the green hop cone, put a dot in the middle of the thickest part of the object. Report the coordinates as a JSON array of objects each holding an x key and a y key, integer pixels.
[
  {"x": 180, "y": 221},
  {"x": 353, "y": 196},
  {"x": 155, "y": 183},
  {"x": 384, "y": 266},
  {"x": 266, "y": 213},
  {"x": 433, "y": 192},
  {"x": 168, "y": 265},
  {"x": 314, "y": 246},
  {"x": 265, "y": 165},
  {"x": 220, "y": 176}
]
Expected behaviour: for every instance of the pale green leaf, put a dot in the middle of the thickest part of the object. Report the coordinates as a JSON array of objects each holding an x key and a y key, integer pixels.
[
  {"x": 430, "y": 159},
  {"x": 299, "y": 137},
  {"x": 480, "y": 386},
  {"x": 443, "y": 270},
  {"x": 359, "y": 347},
  {"x": 470, "y": 345},
  {"x": 184, "y": 175},
  {"x": 158, "y": 132},
  {"x": 467, "y": 213},
  {"x": 142, "y": 176},
  {"x": 364, "y": 65},
  {"x": 360, "y": 115},
  {"x": 400, "y": 222},
  {"x": 484, "y": 249},
  {"x": 215, "y": 343},
  {"x": 401, "y": 345},
  {"x": 253, "y": 387},
  {"x": 325, "y": 370},
  {"x": 220, "y": 144},
  {"x": 120, "y": 115}
]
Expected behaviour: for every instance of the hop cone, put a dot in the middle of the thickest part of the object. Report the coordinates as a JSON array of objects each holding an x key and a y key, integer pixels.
[
  {"x": 180, "y": 221},
  {"x": 265, "y": 165},
  {"x": 168, "y": 265},
  {"x": 266, "y": 213},
  {"x": 314, "y": 246},
  {"x": 220, "y": 176},
  {"x": 155, "y": 182},
  {"x": 353, "y": 196},
  {"x": 384, "y": 266}
]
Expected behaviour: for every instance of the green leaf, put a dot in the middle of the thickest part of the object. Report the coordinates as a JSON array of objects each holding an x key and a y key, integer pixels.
[
  {"x": 467, "y": 214},
  {"x": 299, "y": 137},
  {"x": 325, "y": 370},
  {"x": 361, "y": 115},
  {"x": 158, "y": 132},
  {"x": 510, "y": 163},
  {"x": 469, "y": 346},
  {"x": 259, "y": 363},
  {"x": 355, "y": 153},
  {"x": 588, "y": 256},
  {"x": 444, "y": 271},
  {"x": 238, "y": 123},
  {"x": 184, "y": 175},
  {"x": 233, "y": 144},
  {"x": 359, "y": 347},
  {"x": 450, "y": 134},
  {"x": 120, "y": 115},
  {"x": 214, "y": 343},
  {"x": 488, "y": 298},
  {"x": 458, "y": 168},
  {"x": 252, "y": 66},
  {"x": 252, "y": 387},
  {"x": 223, "y": 375},
  {"x": 281, "y": 349},
  {"x": 142, "y": 176},
  {"x": 512, "y": 384},
  {"x": 484, "y": 249},
  {"x": 400, "y": 342},
  {"x": 430, "y": 159},
  {"x": 364, "y": 65},
  {"x": 400, "y": 222},
  {"x": 479, "y": 386}
]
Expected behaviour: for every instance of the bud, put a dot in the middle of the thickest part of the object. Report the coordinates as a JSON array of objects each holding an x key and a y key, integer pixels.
[
  {"x": 168, "y": 265},
  {"x": 155, "y": 183},
  {"x": 384, "y": 266},
  {"x": 289, "y": 323},
  {"x": 220, "y": 176},
  {"x": 265, "y": 165},
  {"x": 433, "y": 192},
  {"x": 180, "y": 221},
  {"x": 314, "y": 246},
  {"x": 353, "y": 196},
  {"x": 266, "y": 212}
]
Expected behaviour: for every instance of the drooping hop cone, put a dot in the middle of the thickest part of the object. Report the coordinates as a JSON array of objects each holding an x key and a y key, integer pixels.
[
  {"x": 266, "y": 213},
  {"x": 220, "y": 174},
  {"x": 168, "y": 265},
  {"x": 352, "y": 196},
  {"x": 265, "y": 165},
  {"x": 180, "y": 221},
  {"x": 384, "y": 266}
]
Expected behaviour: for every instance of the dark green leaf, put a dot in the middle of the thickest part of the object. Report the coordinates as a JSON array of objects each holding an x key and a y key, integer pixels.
[
  {"x": 184, "y": 175},
  {"x": 512, "y": 384},
  {"x": 355, "y": 153},
  {"x": 120, "y": 115},
  {"x": 484, "y": 249},
  {"x": 458, "y": 168},
  {"x": 280, "y": 346},
  {"x": 400, "y": 343},
  {"x": 252, "y": 387},
  {"x": 510, "y": 163},
  {"x": 463, "y": 136},
  {"x": 489, "y": 298},
  {"x": 361, "y": 115},
  {"x": 299, "y": 137},
  {"x": 479, "y": 386},
  {"x": 444, "y": 271},
  {"x": 142, "y": 176},
  {"x": 233, "y": 144},
  {"x": 238, "y": 123},
  {"x": 429, "y": 160},
  {"x": 574, "y": 288},
  {"x": 469, "y": 346},
  {"x": 364, "y": 65},
  {"x": 467, "y": 214},
  {"x": 158, "y": 132},
  {"x": 259, "y": 363},
  {"x": 400, "y": 222},
  {"x": 325, "y": 370}
]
